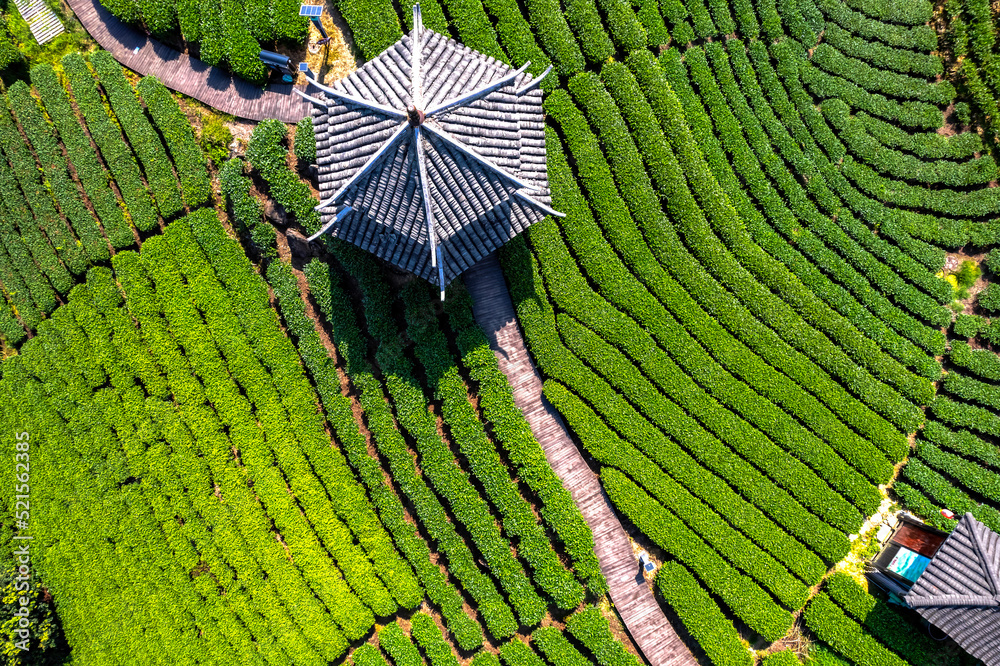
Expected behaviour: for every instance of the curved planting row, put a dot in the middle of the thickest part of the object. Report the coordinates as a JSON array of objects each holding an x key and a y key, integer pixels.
[{"x": 74, "y": 191}]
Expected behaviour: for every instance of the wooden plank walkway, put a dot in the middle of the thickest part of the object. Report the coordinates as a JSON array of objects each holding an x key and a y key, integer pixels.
[
  {"x": 640, "y": 612},
  {"x": 42, "y": 21},
  {"x": 190, "y": 76}
]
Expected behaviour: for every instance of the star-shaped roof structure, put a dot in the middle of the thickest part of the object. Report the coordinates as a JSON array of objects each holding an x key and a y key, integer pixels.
[{"x": 432, "y": 155}]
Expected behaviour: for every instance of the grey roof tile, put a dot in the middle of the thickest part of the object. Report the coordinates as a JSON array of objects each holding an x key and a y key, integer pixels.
[
  {"x": 959, "y": 592},
  {"x": 474, "y": 208}
]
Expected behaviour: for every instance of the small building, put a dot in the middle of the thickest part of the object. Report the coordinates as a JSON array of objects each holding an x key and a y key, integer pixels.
[
  {"x": 907, "y": 552},
  {"x": 431, "y": 156},
  {"x": 959, "y": 590}
]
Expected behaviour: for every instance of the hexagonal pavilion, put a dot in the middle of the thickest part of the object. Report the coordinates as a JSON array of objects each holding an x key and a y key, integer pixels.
[{"x": 431, "y": 157}]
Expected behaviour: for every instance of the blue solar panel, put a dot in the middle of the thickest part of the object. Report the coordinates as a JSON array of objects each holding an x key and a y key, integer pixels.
[{"x": 310, "y": 10}]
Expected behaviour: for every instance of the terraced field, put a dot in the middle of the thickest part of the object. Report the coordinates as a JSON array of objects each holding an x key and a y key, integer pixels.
[
  {"x": 246, "y": 452},
  {"x": 86, "y": 173},
  {"x": 743, "y": 317},
  {"x": 214, "y": 478}
]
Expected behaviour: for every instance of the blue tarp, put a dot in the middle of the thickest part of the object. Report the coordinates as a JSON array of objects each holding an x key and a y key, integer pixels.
[{"x": 908, "y": 564}]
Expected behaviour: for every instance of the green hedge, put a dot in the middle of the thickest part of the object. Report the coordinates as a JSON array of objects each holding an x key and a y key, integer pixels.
[
  {"x": 960, "y": 441},
  {"x": 516, "y": 653},
  {"x": 368, "y": 655},
  {"x": 881, "y": 56},
  {"x": 844, "y": 635},
  {"x": 783, "y": 658},
  {"x": 983, "y": 481},
  {"x": 55, "y": 168},
  {"x": 338, "y": 411},
  {"x": 917, "y": 38},
  {"x": 745, "y": 598},
  {"x": 944, "y": 492},
  {"x": 906, "y": 12},
  {"x": 176, "y": 129},
  {"x": 268, "y": 156},
  {"x": 25, "y": 282},
  {"x": 733, "y": 260},
  {"x": 900, "y": 165},
  {"x": 108, "y": 137},
  {"x": 593, "y": 631},
  {"x": 246, "y": 209},
  {"x": 926, "y": 145},
  {"x": 305, "y": 141},
  {"x": 398, "y": 646},
  {"x": 569, "y": 289},
  {"x": 882, "y": 620},
  {"x": 556, "y": 648},
  {"x": 625, "y": 380},
  {"x": 511, "y": 430},
  {"x": 140, "y": 133},
  {"x": 492, "y": 608},
  {"x": 965, "y": 415},
  {"x": 609, "y": 450},
  {"x": 448, "y": 386},
  {"x": 374, "y": 24},
  {"x": 92, "y": 175},
  {"x": 317, "y": 538},
  {"x": 915, "y": 114},
  {"x": 437, "y": 462},
  {"x": 721, "y": 385},
  {"x": 877, "y": 80},
  {"x": 38, "y": 198},
  {"x": 428, "y": 636},
  {"x": 855, "y": 243}
]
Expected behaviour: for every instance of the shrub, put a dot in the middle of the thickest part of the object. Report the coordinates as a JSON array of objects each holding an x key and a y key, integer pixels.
[
  {"x": 45, "y": 643},
  {"x": 108, "y": 137},
  {"x": 593, "y": 631},
  {"x": 305, "y": 141},
  {"x": 427, "y": 634},
  {"x": 783, "y": 658},
  {"x": 967, "y": 274},
  {"x": 140, "y": 133},
  {"x": 989, "y": 298},
  {"x": 963, "y": 114},
  {"x": 215, "y": 137},
  {"x": 176, "y": 129},
  {"x": 368, "y": 655},
  {"x": 269, "y": 157},
  {"x": 700, "y": 615},
  {"x": 845, "y": 636}
]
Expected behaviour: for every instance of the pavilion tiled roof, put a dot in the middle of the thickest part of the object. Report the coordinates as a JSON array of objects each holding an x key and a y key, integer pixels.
[
  {"x": 959, "y": 592},
  {"x": 431, "y": 159}
]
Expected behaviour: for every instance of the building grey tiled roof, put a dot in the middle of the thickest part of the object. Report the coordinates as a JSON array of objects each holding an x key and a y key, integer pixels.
[
  {"x": 431, "y": 157},
  {"x": 959, "y": 592}
]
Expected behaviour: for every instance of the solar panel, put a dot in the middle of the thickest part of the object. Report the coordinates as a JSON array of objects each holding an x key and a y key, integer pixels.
[{"x": 310, "y": 10}]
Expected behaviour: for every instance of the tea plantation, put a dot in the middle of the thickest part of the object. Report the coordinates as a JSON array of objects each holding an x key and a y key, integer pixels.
[{"x": 768, "y": 313}]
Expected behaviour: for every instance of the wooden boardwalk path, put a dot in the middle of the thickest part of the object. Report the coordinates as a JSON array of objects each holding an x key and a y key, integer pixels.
[
  {"x": 640, "y": 612},
  {"x": 42, "y": 21},
  {"x": 190, "y": 76}
]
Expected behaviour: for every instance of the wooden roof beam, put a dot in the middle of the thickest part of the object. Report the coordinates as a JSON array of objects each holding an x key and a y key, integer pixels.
[
  {"x": 317, "y": 102},
  {"x": 533, "y": 83},
  {"x": 425, "y": 194},
  {"x": 469, "y": 152},
  {"x": 538, "y": 204},
  {"x": 481, "y": 91},
  {"x": 952, "y": 600},
  {"x": 329, "y": 225},
  {"x": 347, "y": 97},
  {"x": 416, "y": 75}
]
